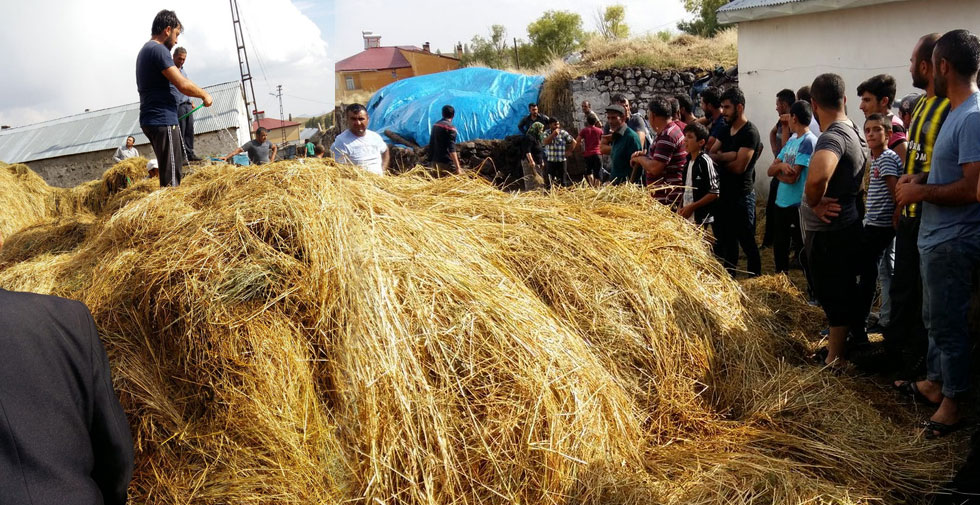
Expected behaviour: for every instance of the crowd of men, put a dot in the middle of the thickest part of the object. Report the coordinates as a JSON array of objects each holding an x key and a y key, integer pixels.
[{"x": 65, "y": 435}]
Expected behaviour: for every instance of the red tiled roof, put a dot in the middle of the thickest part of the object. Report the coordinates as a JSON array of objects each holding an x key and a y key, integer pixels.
[
  {"x": 376, "y": 58},
  {"x": 271, "y": 124}
]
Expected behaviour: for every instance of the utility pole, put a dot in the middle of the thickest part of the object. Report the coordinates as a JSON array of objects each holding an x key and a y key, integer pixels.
[
  {"x": 282, "y": 117},
  {"x": 248, "y": 90},
  {"x": 517, "y": 55}
]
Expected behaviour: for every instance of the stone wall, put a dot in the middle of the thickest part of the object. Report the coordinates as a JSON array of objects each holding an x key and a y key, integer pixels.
[
  {"x": 69, "y": 171},
  {"x": 640, "y": 85}
]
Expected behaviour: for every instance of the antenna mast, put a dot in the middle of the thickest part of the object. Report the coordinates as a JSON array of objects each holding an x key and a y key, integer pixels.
[{"x": 248, "y": 90}]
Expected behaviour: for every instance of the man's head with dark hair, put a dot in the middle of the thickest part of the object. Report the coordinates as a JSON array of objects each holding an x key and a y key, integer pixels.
[
  {"x": 732, "y": 104},
  {"x": 163, "y": 21},
  {"x": 802, "y": 112},
  {"x": 787, "y": 96},
  {"x": 685, "y": 104},
  {"x": 921, "y": 60},
  {"x": 711, "y": 101},
  {"x": 955, "y": 60},
  {"x": 180, "y": 56},
  {"x": 621, "y": 99},
  {"x": 448, "y": 112},
  {"x": 803, "y": 94},
  {"x": 660, "y": 113},
  {"x": 675, "y": 107},
  {"x": 180, "y": 50},
  {"x": 784, "y": 100},
  {"x": 877, "y": 94},
  {"x": 532, "y": 108},
  {"x": 130, "y": 140},
  {"x": 695, "y": 135},
  {"x": 591, "y": 120},
  {"x": 827, "y": 92},
  {"x": 261, "y": 134},
  {"x": 357, "y": 119},
  {"x": 319, "y": 151}
]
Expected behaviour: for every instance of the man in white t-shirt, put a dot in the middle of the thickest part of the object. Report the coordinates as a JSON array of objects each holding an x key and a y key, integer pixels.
[{"x": 358, "y": 145}]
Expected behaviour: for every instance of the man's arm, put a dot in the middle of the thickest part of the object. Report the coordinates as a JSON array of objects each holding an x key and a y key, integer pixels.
[
  {"x": 570, "y": 150},
  {"x": 272, "y": 155},
  {"x": 238, "y": 150},
  {"x": 775, "y": 140},
  {"x": 960, "y": 192},
  {"x": 654, "y": 169},
  {"x": 118, "y": 156},
  {"x": 455, "y": 157},
  {"x": 822, "y": 166},
  {"x": 185, "y": 86},
  {"x": 112, "y": 442},
  {"x": 643, "y": 137},
  {"x": 901, "y": 149}
]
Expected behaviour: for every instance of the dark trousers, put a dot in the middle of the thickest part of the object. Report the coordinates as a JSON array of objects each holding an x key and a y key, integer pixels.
[
  {"x": 187, "y": 129},
  {"x": 557, "y": 173},
  {"x": 735, "y": 220},
  {"x": 873, "y": 243},
  {"x": 165, "y": 141},
  {"x": 786, "y": 235},
  {"x": 834, "y": 266},
  {"x": 905, "y": 337},
  {"x": 769, "y": 236}
]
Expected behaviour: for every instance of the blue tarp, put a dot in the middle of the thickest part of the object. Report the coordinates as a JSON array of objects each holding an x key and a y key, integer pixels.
[{"x": 489, "y": 103}]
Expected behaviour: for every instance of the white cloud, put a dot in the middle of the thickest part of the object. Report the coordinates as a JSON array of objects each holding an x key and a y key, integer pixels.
[{"x": 61, "y": 56}]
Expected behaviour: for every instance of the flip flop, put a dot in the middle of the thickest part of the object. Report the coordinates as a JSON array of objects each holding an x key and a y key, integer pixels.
[
  {"x": 909, "y": 388},
  {"x": 936, "y": 429}
]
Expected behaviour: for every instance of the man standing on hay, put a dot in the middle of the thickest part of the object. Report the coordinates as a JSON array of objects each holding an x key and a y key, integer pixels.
[
  {"x": 260, "y": 151},
  {"x": 949, "y": 233},
  {"x": 360, "y": 146},
  {"x": 830, "y": 214},
  {"x": 155, "y": 72},
  {"x": 184, "y": 108},
  {"x": 64, "y": 438}
]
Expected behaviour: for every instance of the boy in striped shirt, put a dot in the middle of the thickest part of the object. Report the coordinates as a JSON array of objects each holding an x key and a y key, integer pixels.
[{"x": 886, "y": 167}]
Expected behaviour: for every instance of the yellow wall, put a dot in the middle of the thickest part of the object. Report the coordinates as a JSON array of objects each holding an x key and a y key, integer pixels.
[
  {"x": 370, "y": 80},
  {"x": 292, "y": 134},
  {"x": 429, "y": 63}
]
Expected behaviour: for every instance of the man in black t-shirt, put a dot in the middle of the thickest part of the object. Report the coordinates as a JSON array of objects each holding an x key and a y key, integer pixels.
[
  {"x": 830, "y": 214},
  {"x": 155, "y": 72},
  {"x": 735, "y": 153},
  {"x": 533, "y": 116},
  {"x": 442, "y": 144}
]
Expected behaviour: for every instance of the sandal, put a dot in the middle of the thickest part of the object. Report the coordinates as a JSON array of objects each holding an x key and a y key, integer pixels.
[
  {"x": 909, "y": 388},
  {"x": 935, "y": 429}
]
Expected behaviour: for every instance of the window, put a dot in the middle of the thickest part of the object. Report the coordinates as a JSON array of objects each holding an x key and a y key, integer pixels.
[
  {"x": 350, "y": 83},
  {"x": 394, "y": 74}
]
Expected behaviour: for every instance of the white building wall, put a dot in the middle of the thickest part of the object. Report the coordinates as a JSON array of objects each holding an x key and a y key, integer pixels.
[{"x": 788, "y": 52}]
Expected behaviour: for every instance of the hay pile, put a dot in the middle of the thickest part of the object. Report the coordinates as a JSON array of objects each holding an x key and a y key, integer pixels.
[{"x": 310, "y": 333}]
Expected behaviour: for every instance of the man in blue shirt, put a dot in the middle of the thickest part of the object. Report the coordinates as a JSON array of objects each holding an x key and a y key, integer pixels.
[
  {"x": 155, "y": 72},
  {"x": 949, "y": 233}
]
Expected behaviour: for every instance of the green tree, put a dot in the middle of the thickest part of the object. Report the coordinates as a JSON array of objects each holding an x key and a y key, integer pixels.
[
  {"x": 612, "y": 22},
  {"x": 491, "y": 52},
  {"x": 706, "y": 22},
  {"x": 555, "y": 34}
]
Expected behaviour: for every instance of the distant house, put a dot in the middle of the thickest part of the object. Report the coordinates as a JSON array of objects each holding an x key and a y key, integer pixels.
[
  {"x": 75, "y": 149},
  {"x": 377, "y": 66},
  {"x": 786, "y": 43},
  {"x": 279, "y": 131}
]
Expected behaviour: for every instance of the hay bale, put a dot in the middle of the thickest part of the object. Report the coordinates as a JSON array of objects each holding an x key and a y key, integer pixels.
[{"x": 311, "y": 333}]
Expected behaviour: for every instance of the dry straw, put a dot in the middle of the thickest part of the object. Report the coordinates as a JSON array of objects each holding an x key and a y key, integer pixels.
[{"x": 311, "y": 333}]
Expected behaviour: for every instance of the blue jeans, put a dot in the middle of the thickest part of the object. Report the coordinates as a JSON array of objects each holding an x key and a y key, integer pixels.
[
  {"x": 885, "y": 268},
  {"x": 947, "y": 274}
]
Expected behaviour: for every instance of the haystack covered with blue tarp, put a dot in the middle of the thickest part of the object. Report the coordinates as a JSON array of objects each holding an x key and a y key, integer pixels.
[{"x": 489, "y": 103}]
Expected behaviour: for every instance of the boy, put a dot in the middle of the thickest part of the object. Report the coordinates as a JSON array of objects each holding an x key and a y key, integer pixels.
[
  {"x": 556, "y": 152},
  {"x": 790, "y": 169},
  {"x": 700, "y": 178},
  {"x": 591, "y": 135},
  {"x": 886, "y": 167}
]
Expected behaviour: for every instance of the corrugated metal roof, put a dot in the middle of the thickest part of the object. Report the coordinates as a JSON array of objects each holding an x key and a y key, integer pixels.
[
  {"x": 108, "y": 128},
  {"x": 738, "y": 11}
]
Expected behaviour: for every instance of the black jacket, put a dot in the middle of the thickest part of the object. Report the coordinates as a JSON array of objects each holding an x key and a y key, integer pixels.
[{"x": 64, "y": 438}]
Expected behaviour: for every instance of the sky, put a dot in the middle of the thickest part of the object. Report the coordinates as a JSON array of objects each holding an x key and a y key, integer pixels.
[
  {"x": 61, "y": 57},
  {"x": 443, "y": 23}
]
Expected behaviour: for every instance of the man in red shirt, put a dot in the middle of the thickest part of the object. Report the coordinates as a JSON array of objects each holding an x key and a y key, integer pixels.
[
  {"x": 663, "y": 166},
  {"x": 590, "y": 137}
]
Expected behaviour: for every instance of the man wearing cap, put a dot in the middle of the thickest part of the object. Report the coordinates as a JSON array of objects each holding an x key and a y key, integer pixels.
[{"x": 623, "y": 142}]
